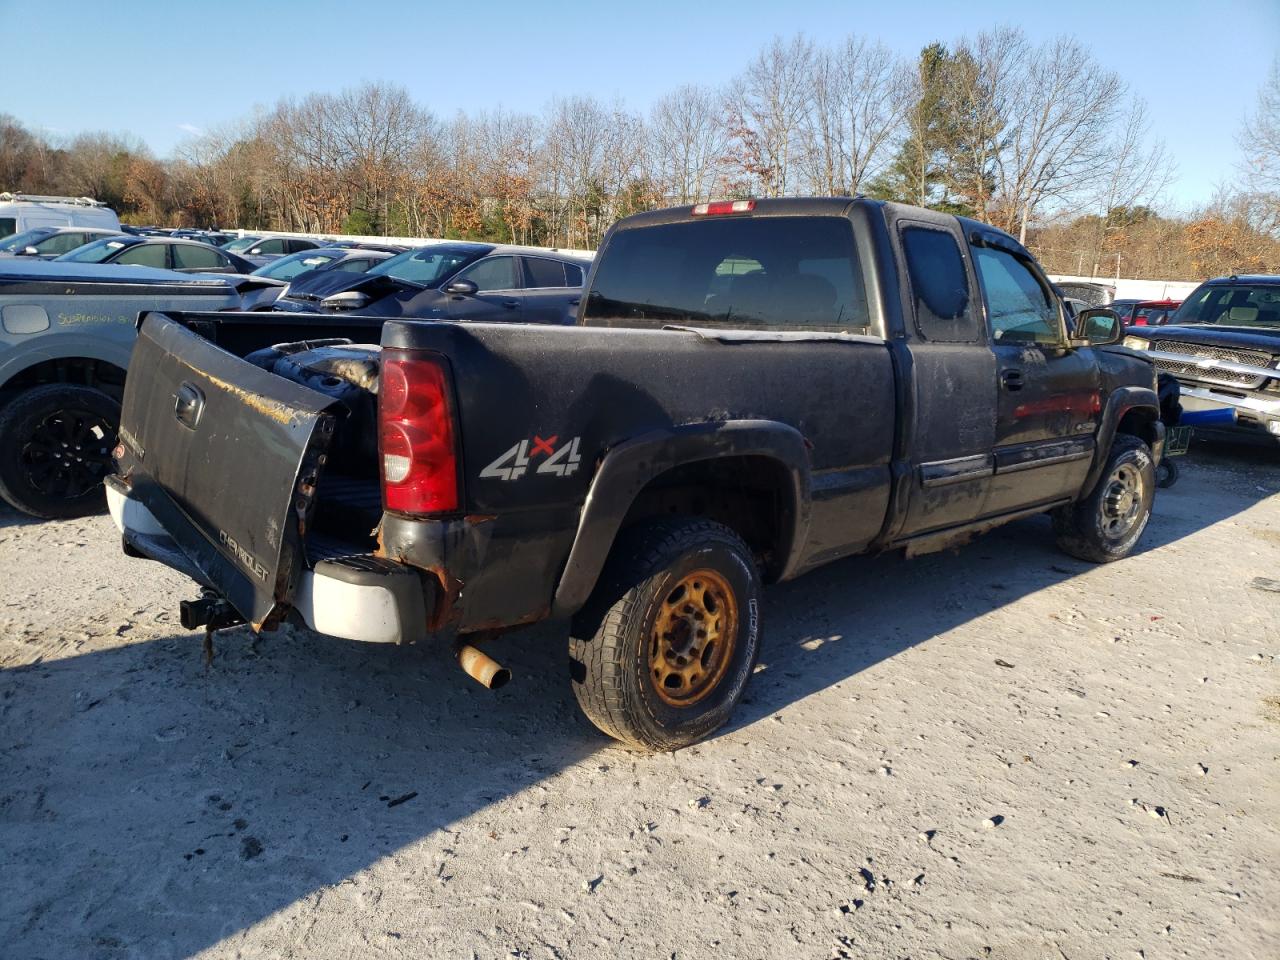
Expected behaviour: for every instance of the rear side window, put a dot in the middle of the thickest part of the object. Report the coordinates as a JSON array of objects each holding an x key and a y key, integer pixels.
[
  {"x": 273, "y": 246},
  {"x": 144, "y": 255},
  {"x": 543, "y": 273},
  {"x": 1018, "y": 305},
  {"x": 939, "y": 286},
  {"x": 572, "y": 275},
  {"x": 197, "y": 258},
  {"x": 61, "y": 243},
  {"x": 771, "y": 273},
  {"x": 353, "y": 266}
]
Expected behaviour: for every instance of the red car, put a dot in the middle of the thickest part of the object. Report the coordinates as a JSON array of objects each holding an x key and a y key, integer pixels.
[{"x": 1145, "y": 313}]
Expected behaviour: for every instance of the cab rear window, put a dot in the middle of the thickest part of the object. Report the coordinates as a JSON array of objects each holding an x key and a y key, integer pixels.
[{"x": 769, "y": 273}]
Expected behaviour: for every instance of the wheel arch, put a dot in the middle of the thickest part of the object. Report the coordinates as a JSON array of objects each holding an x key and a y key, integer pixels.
[
  {"x": 93, "y": 364},
  {"x": 1130, "y": 410},
  {"x": 706, "y": 469}
]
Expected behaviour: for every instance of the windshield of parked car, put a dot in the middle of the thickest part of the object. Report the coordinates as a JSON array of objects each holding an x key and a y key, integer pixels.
[
  {"x": 286, "y": 268},
  {"x": 775, "y": 273},
  {"x": 240, "y": 245},
  {"x": 427, "y": 266},
  {"x": 95, "y": 252},
  {"x": 1232, "y": 305},
  {"x": 26, "y": 238}
]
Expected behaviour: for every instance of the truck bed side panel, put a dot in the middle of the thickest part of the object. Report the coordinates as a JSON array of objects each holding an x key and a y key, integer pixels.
[{"x": 542, "y": 406}]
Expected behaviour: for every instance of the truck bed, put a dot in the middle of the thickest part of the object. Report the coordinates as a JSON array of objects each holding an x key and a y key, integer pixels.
[{"x": 560, "y": 397}]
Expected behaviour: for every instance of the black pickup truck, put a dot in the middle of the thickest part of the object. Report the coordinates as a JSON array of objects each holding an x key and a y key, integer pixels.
[
  {"x": 1223, "y": 347},
  {"x": 753, "y": 388}
]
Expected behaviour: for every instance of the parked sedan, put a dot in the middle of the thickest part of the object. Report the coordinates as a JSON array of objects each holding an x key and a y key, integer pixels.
[
  {"x": 367, "y": 245},
  {"x": 321, "y": 258},
  {"x": 55, "y": 241},
  {"x": 296, "y": 265},
  {"x": 453, "y": 281},
  {"x": 261, "y": 250},
  {"x": 185, "y": 256},
  {"x": 213, "y": 238}
]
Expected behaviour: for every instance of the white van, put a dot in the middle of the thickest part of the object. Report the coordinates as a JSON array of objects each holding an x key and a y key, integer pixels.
[{"x": 20, "y": 212}]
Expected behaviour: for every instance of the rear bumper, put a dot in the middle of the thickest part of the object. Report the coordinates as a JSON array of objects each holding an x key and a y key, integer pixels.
[{"x": 365, "y": 598}]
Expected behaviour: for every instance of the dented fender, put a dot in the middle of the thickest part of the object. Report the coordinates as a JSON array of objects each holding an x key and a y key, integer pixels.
[{"x": 628, "y": 467}]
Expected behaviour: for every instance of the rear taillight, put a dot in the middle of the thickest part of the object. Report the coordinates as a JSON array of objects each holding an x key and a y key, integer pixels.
[
  {"x": 724, "y": 206},
  {"x": 416, "y": 436}
]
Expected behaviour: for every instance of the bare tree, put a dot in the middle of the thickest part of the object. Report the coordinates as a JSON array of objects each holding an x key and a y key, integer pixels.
[
  {"x": 18, "y": 149},
  {"x": 1024, "y": 136},
  {"x": 860, "y": 95},
  {"x": 768, "y": 103},
  {"x": 1060, "y": 114},
  {"x": 1259, "y": 142},
  {"x": 590, "y": 154},
  {"x": 1137, "y": 171},
  {"x": 94, "y": 165},
  {"x": 688, "y": 140}
]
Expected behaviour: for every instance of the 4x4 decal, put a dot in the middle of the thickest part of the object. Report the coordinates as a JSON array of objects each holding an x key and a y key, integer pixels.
[{"x": 515, "y": 462}]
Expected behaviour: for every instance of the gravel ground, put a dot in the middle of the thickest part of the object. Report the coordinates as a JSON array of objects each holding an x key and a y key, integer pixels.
[{"x": 995, "y": 752}]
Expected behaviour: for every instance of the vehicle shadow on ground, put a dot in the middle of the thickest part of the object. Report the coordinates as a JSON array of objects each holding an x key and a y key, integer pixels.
[
  {"x": 844, "y": 618},
  {"x": 192, "y": 804},
  {"x": 10, "y": 517}
]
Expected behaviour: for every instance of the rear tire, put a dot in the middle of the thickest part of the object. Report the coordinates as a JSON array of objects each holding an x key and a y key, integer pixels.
[
  {"x": 663, "y": 650},
  {"x": 55, "y": 450},
  {"x": 1106, "y": 524}
]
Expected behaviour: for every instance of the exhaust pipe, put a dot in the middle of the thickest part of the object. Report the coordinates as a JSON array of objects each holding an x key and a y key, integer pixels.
[{"x": 481, "y": 667}]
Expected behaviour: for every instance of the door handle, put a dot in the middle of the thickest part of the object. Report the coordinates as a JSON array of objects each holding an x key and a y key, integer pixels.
[
  {"x": 575, "y": 301},
  {"x": 511, "y": 304},
  {"x": 188, "y": 404},
  {"x": 1011, "y": 379}
]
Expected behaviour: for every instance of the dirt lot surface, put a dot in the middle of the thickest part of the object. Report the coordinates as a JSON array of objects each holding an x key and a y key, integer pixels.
[{"x": 997, "y": 752}]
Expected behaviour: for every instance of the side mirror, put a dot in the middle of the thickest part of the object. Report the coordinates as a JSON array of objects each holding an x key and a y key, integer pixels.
[
  {"x": 347, "y": 300},
  {"x": 463, "y": 288},
  {"x": 1097, "y": 327},
  {"x": 29, "y": 252}
]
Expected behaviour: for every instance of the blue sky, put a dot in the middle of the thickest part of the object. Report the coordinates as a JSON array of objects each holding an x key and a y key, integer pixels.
[{"x": 162, "y": 69}]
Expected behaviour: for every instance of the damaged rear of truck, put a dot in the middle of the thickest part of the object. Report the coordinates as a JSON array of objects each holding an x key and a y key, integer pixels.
[{"x": 754, "y": 389}]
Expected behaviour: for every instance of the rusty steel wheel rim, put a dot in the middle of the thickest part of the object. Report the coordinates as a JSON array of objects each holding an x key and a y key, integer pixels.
[{"x": 693, "y": 638}]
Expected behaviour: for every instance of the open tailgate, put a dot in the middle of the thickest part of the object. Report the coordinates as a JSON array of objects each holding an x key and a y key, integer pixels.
[{"x": 225, "y": 455}]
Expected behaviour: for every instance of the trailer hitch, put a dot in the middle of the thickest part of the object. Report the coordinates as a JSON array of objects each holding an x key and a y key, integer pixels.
[{"x": 211, "y": 612}]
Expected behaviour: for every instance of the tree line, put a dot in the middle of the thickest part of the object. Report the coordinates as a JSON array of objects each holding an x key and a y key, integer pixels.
[{"x": 1040, "y": 139}]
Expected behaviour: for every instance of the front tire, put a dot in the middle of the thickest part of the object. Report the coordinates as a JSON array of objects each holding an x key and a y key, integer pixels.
[
  {"x": 662, "y": 652},
  {"x": 55, "y": 450},
  {"x": 1106, "y": 524}
]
